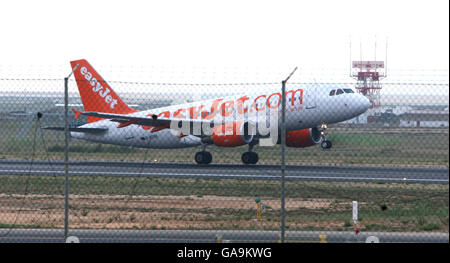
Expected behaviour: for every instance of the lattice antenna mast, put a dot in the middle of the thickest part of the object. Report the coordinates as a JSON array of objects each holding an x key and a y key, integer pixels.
[{"x": 368, "y": 76}]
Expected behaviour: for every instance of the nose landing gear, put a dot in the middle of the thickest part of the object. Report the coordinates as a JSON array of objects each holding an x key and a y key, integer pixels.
[{"x": 325, "y": 144}]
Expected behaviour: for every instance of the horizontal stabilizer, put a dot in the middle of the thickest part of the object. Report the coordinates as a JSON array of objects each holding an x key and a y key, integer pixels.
[{"x": 76, "y": 129}]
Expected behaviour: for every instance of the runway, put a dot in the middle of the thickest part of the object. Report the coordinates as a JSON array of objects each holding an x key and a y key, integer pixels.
[
  {"x": 213, "y": 236},
  {"x": 231, "y": 171}
]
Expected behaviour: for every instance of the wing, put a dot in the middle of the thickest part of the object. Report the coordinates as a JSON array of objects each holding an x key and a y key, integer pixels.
[
  {"x": 157, "y": 123},
  {"x": 126, "y": 120},
  {"x": 76, "y": 129}
]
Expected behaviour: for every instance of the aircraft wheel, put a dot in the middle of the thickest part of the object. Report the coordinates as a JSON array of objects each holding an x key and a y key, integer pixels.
[
  {"x": 250, "y": 158},
  {"x": 255, "y": 157},
  {"x": 246, "y": 158},
  {"x": 326, "y": 144},
  {"x": 208, "y": 156},
  {"x": 203, "y": 157}
]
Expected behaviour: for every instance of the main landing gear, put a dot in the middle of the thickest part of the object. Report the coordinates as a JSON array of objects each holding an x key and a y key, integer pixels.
[
  {"x": 325, "y": 144},
  {"x": 250, "y": 157},
  {"x": 203, "y": 157}
]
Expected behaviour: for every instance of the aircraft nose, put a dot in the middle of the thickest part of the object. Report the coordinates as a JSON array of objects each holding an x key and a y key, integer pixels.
[
  {"x": 363, "y": 104},
  {"x": 366, "y": 103}
]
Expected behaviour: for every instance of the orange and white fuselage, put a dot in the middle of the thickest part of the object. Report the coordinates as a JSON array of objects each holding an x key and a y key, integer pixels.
[{"x": 306, "y": 108}]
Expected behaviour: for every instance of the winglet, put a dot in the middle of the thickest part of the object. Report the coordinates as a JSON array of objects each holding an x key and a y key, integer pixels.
[{"x": 77, "y": 113}]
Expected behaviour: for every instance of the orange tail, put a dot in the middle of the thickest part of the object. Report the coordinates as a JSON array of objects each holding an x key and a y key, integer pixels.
[{"x": 95, "y": 93}]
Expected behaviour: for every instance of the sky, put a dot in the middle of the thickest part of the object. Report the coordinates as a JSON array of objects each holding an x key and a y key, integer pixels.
[{"x": 200, "y": 41}]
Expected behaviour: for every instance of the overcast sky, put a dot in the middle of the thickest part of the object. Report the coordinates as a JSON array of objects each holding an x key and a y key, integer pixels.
[{"x": 177, "y": 40}]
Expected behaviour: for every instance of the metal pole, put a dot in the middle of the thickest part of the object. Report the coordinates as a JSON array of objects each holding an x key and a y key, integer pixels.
[
  {"x": 66, "y": 153},
  {"x": 350, "y": 62},
  {"x": 283, "y": 161},
  {"x": 385, "y": 67},
  {"x": 66, "y": 157},
  {"x": 283, "y": 155}
]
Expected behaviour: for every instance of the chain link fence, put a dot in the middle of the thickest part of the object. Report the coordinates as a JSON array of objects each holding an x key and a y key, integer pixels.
[{"x": 393, "y": 160}]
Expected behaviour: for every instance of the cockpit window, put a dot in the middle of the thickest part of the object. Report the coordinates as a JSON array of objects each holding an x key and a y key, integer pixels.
[
  {"x": 332, "y": 92},
  {"x": 349, "y": 91},
  {"x": 339, "y": 91}
]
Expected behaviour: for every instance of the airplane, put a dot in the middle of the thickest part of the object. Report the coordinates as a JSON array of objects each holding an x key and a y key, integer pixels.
[{"x": 228, "y": 121}]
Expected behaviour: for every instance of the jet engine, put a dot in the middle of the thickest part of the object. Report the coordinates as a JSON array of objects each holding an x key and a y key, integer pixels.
[
  {"x": 232, "y": 134},
  {"x": 303, "y": 138}
]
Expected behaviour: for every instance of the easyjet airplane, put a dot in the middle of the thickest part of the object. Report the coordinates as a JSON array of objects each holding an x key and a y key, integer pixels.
[{"x": 225, "y": 122}]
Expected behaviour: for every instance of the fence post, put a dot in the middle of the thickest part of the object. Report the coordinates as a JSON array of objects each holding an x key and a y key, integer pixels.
[
  {"x": 283, "y": 161},
  {"x": 66, "y": 158},
  {"x": 283, "y": 156},
  {"x": 66, "y": 153}
]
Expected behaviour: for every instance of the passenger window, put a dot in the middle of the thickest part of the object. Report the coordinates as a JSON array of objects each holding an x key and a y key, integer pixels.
[
  {"x": 349, "y": 91},
  {"x": 339, "y": 91},
  {"x": 332, "y": 92}
]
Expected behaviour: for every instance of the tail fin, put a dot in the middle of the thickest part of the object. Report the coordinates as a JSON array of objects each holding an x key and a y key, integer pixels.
[{"x": 95, "y": 93}]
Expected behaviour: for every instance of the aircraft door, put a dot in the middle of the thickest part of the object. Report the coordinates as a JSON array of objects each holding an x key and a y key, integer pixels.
[{"x": 310, "y": 97}]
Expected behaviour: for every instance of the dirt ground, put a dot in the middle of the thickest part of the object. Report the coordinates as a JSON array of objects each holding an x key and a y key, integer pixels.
[{"x": 145, "y": 212}]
